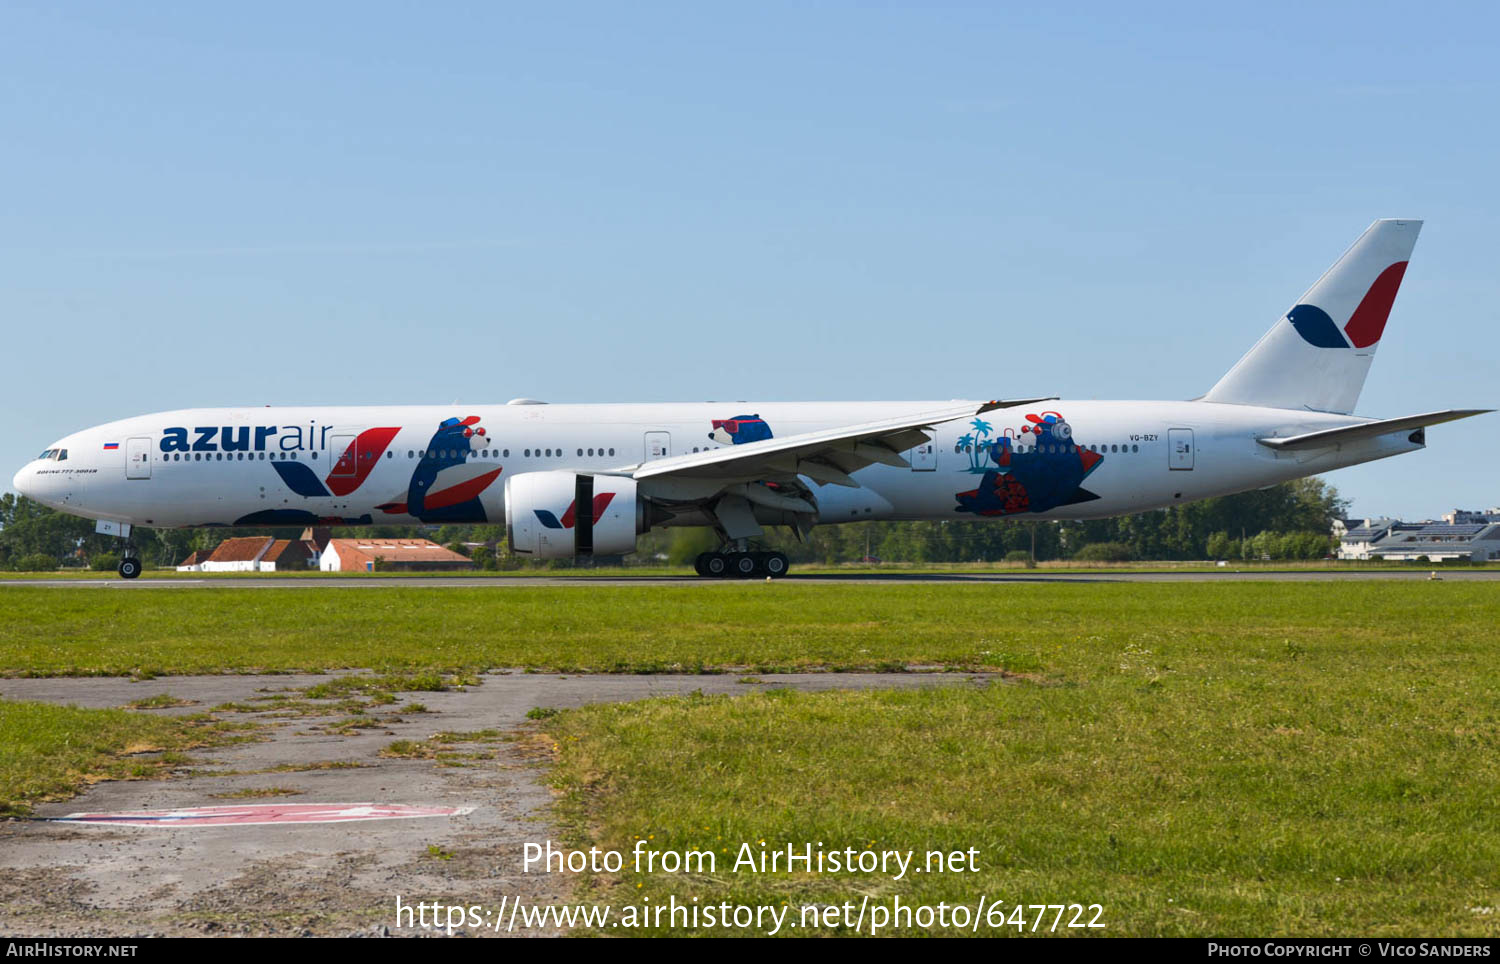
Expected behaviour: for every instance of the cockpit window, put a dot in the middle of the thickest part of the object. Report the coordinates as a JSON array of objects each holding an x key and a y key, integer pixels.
[
  {"x": 47, "y": 454},
  {"x": 54, "y": 455},
  {"x": 62, "y": 455}
]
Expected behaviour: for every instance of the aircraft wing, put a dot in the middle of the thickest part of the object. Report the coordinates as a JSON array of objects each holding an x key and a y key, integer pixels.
[
  {"x": 826, "y": 456},
  {"x": 1349, "y": 433}
]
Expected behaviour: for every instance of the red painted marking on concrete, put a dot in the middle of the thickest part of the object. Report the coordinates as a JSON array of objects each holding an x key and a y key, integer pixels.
[{"x": 256, "y": 814}]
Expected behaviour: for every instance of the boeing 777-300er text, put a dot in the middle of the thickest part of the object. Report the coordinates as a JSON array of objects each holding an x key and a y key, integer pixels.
[{"x": 584, "y": 480}]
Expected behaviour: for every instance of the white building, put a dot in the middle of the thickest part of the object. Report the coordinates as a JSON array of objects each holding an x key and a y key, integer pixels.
[
  {"x": 1468, "y": 517},
  {"x": 366, "y": 555},
  {"x": 238, "y": 555},
  {"x": 1419, "y": 541},
  {"x": 254, "y": 554}
]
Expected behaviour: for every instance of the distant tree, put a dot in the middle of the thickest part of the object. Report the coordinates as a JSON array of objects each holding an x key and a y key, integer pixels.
[
  {"x": 35, "y": 562},
  {"x": 1105, "y": 552}
]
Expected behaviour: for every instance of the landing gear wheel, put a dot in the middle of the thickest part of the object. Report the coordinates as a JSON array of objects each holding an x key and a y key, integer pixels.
[
  {"x": 776, "y": 565},
  {"x": 129, "y": 567},
  {"x": 744, "y": 565},
  {"x": 715, "y": 565},
  {"x": 700, "y": 564}
]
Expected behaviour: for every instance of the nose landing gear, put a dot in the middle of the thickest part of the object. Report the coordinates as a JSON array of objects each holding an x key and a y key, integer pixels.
[{"x": 130, "y": 557}]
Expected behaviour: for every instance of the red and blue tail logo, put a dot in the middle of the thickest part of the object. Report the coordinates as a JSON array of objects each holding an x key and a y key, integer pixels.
[{"x": 1364, "y": 327}]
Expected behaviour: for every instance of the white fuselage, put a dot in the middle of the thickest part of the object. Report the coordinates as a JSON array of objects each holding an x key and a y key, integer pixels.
[{"x": 409, "y": 464}]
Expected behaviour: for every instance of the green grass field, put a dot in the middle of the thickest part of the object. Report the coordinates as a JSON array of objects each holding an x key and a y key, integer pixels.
[
  {"x": 735, "y": 626},
  {"x": 1304, "y": 764},
  {"x": 1203, "y": 758}
]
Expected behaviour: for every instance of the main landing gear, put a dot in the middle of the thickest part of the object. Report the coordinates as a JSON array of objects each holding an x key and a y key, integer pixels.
[{"x": 741, "y": 564}]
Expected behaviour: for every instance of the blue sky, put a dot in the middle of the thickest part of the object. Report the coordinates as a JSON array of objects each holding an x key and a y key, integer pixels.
[{"x": 399, "y": 203}]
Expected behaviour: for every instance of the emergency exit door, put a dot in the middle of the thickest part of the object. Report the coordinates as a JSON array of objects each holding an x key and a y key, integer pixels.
[
  {"x": 1180, "y": 448},
  {"x": 923, "y": 458}
]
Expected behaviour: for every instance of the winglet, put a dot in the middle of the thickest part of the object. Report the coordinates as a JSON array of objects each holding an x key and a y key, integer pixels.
[{"x": 991, "y": 406}]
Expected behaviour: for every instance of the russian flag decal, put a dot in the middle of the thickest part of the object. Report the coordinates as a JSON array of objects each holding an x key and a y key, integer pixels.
[{"x": 111, "y": 445}]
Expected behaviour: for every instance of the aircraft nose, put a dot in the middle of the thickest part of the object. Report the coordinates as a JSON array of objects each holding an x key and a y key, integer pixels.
[{"x": 19, "y": 482}]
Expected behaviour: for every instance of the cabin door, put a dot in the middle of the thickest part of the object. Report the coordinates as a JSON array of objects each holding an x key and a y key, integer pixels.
[
  {"x": 1180, "y": 448},
  {"x": 138, "y": 458}
]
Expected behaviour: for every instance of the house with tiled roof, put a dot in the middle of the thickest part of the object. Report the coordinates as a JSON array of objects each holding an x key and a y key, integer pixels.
[
  {"x": 318, "y": 536},
  {"x": 372, "y": 554},
  {"x": 238, "y": 555},
  {"x": 289, "y": 554},
  {"x": 194, "y": 561}
]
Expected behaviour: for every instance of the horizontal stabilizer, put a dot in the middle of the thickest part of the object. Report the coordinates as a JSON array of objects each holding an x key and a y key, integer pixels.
[{"x": 1362, "y": 430}]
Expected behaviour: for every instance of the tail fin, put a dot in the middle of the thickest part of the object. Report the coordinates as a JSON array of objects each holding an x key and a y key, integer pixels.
[{"x": 1317, "y": 356}]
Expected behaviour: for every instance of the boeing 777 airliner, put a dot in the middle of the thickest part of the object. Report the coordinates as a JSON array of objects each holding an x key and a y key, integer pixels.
[{"x": 582, "y": 480}]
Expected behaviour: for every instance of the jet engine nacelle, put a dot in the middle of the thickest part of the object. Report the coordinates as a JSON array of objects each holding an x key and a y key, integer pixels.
[{"x": 559, "y": 515}]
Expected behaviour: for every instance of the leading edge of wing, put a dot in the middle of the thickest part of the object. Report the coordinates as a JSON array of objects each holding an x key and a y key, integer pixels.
[{"x": 809, "y": 442}]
